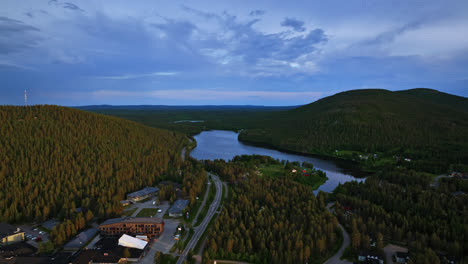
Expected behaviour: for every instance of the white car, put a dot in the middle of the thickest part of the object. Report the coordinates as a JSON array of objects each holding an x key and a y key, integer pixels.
[
  {"x": 159, "y": 210},
  {"x": 41, "y": 232}
]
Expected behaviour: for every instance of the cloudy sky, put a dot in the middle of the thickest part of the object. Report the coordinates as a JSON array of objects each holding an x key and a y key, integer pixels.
[{"x": 227, "y": 52}]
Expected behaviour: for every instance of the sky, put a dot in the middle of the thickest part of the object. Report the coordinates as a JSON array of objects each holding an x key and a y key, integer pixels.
[{"x": 220, "y": 52}]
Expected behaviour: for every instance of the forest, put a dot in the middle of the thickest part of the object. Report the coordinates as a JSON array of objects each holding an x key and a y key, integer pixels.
[
  {"x": 425, "y": 126},
  {"x": 412, "y": 124},
  {"x": 54, "y": 160},
  {"x": 400, "y": 206},
  {"x": 269, "y": 220}
]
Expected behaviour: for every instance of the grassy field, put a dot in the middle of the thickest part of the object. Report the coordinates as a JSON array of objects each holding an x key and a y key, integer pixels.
[
  {"x": 129, "y": 212},
  {"x": 147, "y": 212},
  {"x": 314, "y": 179}
]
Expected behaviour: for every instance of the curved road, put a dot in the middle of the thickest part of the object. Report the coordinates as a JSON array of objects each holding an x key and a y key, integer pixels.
[
  {"x": 201, "y": 228},
  {"x": 335, "y": 259}
]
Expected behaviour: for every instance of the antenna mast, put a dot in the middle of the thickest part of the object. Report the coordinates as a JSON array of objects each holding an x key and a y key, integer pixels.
[{"x": 25, "y": 98}]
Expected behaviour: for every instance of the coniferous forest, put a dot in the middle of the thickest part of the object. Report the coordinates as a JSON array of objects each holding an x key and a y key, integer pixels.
[
  {"x": 54, "y": 160},
  {"x": 269, "y": 220},
  {"x": 401, "y": 206}
]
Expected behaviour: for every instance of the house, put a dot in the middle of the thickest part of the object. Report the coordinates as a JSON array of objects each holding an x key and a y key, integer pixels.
[
  {"x": 178, "y": 208},
  {"x": 148, "y": 226},
  {"x": 370, "y": 258},
  {"x": 402, "y": 257},
  {"x": 142, "y": 194},
  {"x": 9, "y": 234}
]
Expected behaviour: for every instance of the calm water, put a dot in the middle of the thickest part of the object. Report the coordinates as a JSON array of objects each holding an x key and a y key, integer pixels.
[{"x": 219, "y": 144}]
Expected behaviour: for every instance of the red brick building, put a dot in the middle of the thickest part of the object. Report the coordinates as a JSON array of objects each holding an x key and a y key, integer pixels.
[{"x": 148, "y": 226}]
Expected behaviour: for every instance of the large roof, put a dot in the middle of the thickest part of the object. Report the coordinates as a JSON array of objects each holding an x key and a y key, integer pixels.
[
  {"x": 82, "y": 238},
  {"x": 144, "y": 191},
  {"x": 178, "y": 206},
  {"x": 131, "y": 242},
  {"x": 149, "y": 220},
  {"x": 6, "y": 230}
]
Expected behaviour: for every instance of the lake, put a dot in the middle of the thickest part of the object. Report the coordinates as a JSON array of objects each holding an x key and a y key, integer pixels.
[{"x": 220, "y": 144}]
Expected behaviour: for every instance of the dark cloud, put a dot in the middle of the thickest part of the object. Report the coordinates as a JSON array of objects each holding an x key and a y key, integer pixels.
[
  {"x": 257, "y": 12},
  {"x": 16, "y": 35},
  {"x": 293, "y": 23},
  {"x": 66, "y": 5},
  {"x": 71, "y": 6}
]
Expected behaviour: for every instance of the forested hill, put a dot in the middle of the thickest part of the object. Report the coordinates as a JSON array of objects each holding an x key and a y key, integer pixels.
[
  {"x": 425, "y": 125},
  {"x": 55, "y": 159}
]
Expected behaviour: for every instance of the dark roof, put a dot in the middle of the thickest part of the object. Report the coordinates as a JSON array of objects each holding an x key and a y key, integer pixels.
[
  {"x": 401, "y": 254},
  {"x": 17, "y": 249},
  {"x": 81, "y": 238},
  {"x": 178, "y": 206},
  {"x": 49, "y": 224},
  {"x": 26, "y": 260},
  {"x": 144, "y": 191},
  {"x": 6, "y": 230},
  {"x": 151, "y": 220},
  {"x": 107, "y": 251},
  {"x": 112, "y": 245}
]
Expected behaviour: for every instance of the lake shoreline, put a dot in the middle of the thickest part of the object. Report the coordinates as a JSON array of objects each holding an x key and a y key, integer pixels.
[
  {"x": 224, "y": 144},
  {"x": 348, "y": 166}
]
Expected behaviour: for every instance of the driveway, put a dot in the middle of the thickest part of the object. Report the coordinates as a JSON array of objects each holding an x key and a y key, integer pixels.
[
  {"x": 391, "y": 250},
  {"x": 164, "y": 243}
]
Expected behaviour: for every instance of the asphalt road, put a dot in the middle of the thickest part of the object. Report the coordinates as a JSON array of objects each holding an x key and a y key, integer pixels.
[
  {"x": 335, "y": 259},
  {"x": 201, "y": 228}
]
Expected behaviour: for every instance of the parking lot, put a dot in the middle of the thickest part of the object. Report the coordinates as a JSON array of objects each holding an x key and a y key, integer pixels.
[
  {"x": 149, "y": 204},
  {"x": 31, "y": 232}
]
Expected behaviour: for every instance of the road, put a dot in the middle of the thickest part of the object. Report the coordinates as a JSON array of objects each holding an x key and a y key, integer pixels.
[
  {"x": 435, "y": 182},
  {"x": 201, "y": 228},
  {"x": 335, "y": 259}
]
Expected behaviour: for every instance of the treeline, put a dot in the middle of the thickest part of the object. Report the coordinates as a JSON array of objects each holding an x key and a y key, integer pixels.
[
  {"x": 269, "y": 220},
  {"x": 54, "y": 160},
  {"x": 433, "y": 135},
  {"x": 400, "y": 206}
]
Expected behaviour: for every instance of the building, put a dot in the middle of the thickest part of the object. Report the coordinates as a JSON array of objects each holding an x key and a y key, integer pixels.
[
  {"x": 111, "y": 250},
  {"x": 402, "y": 257},
  {"x": 132, "y": 242},
  {"x": 125, "y": 202},
  {"x": 148, "y": 226},
  {"x": 81, "y": 239},
  {"x": 177, "y": 209},
  {"x": 9, "y": 234},
  {"x": 370, "y": 258},
  {"x": 142, "y": 194}
]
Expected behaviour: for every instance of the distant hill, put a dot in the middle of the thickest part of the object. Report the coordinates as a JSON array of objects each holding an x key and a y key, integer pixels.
[
  {"x": 428, "y": 126},
  {"x": 54, "y": 160},
  {"x": 227, "y": 117},
  {"x": 456, "y": 102}
]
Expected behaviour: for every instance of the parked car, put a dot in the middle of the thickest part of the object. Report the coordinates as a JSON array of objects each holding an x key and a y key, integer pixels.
[
  {"x": 38, "y": 239},
  {"x": 159, "y": 210},
  {"x": 35, "y": 229},
  {"x": 41, "y": 232}
]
